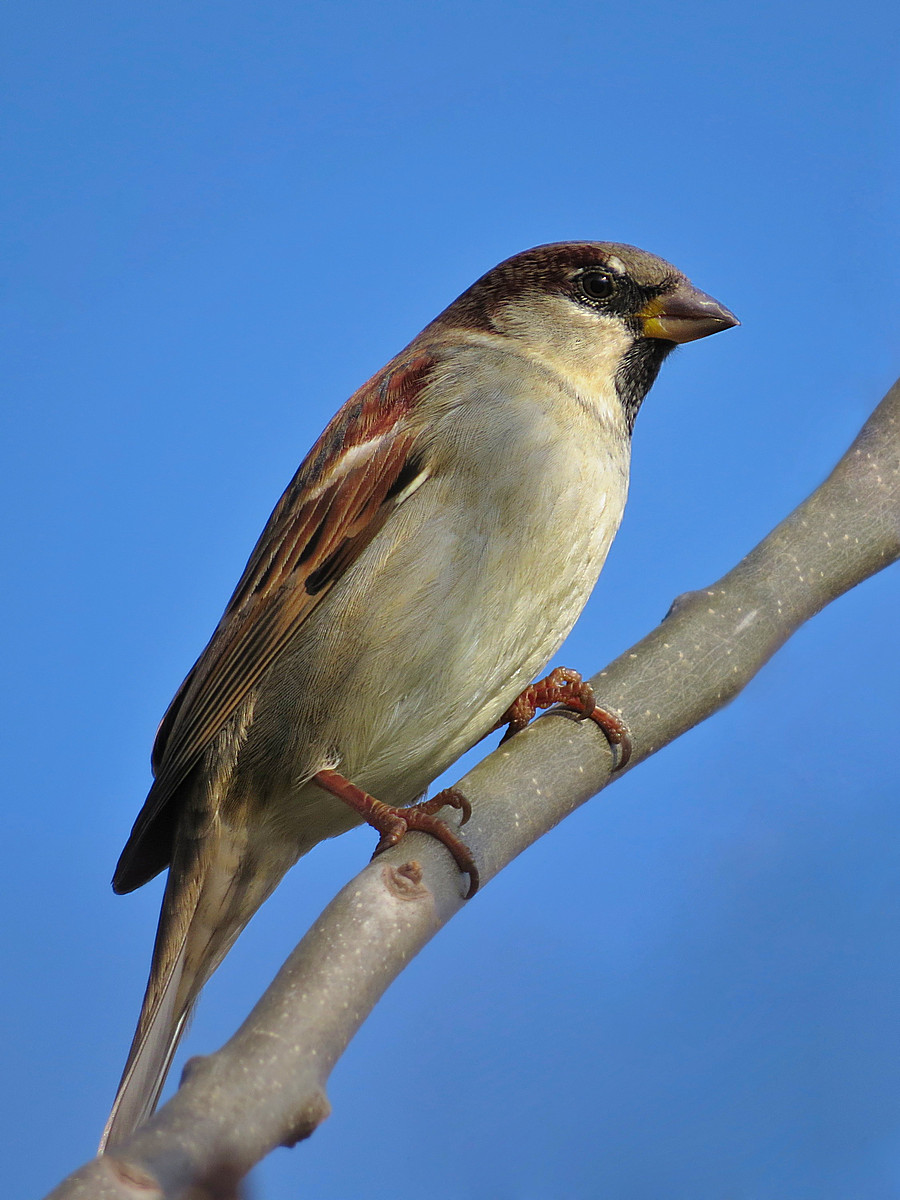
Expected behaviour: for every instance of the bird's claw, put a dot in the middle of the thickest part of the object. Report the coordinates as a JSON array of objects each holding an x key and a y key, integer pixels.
[
  {"x": 448, "y": 798},
  {"x": 394, "y": 823},
  {"x": 565, "y": 686},
  {"x": 420, "y": 818}
]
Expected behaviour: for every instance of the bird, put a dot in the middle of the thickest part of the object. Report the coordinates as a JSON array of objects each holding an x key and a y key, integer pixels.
[{"x": 427, "y": 560}]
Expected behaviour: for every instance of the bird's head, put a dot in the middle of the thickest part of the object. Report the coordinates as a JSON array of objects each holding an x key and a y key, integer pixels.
[{"x": 594, "y": 311}]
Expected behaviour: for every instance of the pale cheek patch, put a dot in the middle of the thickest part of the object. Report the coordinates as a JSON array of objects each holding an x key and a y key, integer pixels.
[{"x": 582, "y": 346}]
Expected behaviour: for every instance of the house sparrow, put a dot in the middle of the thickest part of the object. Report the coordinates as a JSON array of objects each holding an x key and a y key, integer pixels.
[{"x": 430, "y": 555}]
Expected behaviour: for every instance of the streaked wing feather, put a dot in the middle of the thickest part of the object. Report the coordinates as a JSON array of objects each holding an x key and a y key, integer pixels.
[{"x": 318, "y": 529}]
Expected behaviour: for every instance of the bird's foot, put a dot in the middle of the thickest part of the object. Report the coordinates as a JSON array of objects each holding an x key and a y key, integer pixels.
[
  {"x": 565, "y": 686},
  {"x": 394, "y": 823}
]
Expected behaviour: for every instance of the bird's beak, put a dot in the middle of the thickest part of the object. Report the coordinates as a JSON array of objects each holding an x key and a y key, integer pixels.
[{"x": 685, "y": 315}]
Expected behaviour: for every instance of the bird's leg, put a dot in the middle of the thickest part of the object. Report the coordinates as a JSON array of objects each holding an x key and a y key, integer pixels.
[
  {"x": 565, "y": 686},
  {"x": 394, "y": 823}
]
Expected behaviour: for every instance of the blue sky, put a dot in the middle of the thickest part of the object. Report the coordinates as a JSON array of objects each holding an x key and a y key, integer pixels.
[{"x": 220, "y": 218}]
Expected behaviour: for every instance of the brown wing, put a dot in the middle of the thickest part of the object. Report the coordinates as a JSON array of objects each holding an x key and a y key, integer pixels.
[{"x": 345, "y": 490}]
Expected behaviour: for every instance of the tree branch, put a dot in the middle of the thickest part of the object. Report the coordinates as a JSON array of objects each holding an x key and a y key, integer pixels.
[{"x": 266, "y": 1086}]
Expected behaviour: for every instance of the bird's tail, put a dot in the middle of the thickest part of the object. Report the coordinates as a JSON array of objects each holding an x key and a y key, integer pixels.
[{"x": 208, "y": 901}]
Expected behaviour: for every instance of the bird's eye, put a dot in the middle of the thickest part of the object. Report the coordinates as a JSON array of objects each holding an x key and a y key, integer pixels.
[{"x": 597, "y": 285}]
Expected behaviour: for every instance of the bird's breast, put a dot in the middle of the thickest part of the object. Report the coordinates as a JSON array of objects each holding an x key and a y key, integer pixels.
[
  {"x": 482, "y": 573},
  {"x": 463, "y": 596}
]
